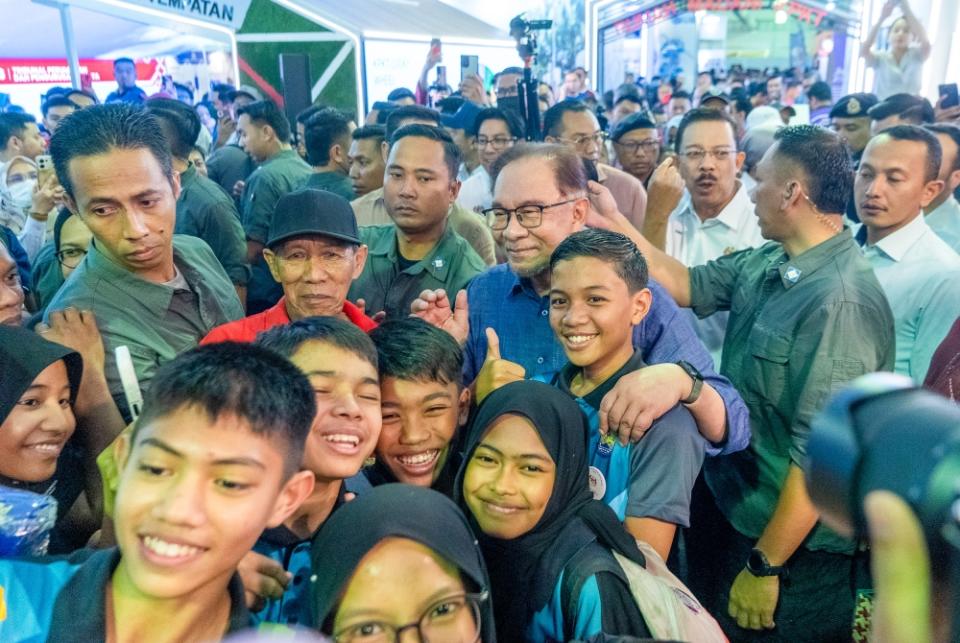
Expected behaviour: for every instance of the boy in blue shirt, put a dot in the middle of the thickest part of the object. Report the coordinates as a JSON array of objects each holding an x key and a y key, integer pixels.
[
  {"x": 598, "y": 293},
  {"x": 213, "y": 460}
]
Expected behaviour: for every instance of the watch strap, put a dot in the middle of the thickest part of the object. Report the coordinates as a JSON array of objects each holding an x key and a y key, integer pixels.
[
  {"x": 758, "y": 565},
  {"x": 697, "y": 378}
]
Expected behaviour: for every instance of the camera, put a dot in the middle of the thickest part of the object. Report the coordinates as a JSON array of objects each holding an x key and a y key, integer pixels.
[
  {"x": 881, "y": 432},
  {"x": 522, "y": 30}
]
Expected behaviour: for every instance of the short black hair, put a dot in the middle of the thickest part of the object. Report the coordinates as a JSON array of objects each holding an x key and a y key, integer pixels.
[
  {"x": 821, "y": 91},
  {"x": 252, "y": 383},
  {"x": 825, "y": 161},
  {"x": 307, "y": 113},
  {"x": 514, "y": 124},
  {"x": 124, "y": 60},
  {"x": 553, "y": 117},
  {"x": 450, "y": 104},
  {"x": 951, "y": 130},
  {"x": 325, "y": 129},
  {"x": 377, "y": 132},
  {"x": 287, "y": 339},
  {"x": 614, "y": 248},
  {"x": 400, "y": 93},
  {"x": 451, "y": 153},
  {"x": 101, "y": 128},
  {"x": 187, "y": 88},
  {"x": 919, "y": 134},
  {"x": 743, "y": 104},
  {"x": 409, "y": 112},
  {"x": 630, "y": 123},
  {"x": 702, "y": 115},
  {"x": 57, "y": 100},
  {"x": 412, "y": 349},
  {"x": 180, "y": 122},
  {"x": 629, "y": 98},
  {"x": 13, "y": 124},
  {"x": 680, "y": 93},
  {"x": 907, "y": 107},
  {"x": 266, "y": 112},
  {"x": 224, "y": 91}
]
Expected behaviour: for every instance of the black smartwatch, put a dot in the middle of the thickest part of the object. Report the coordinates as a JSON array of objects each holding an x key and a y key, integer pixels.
[
  {"x": 697, "y": 378},
  {"x": 758, "y": 565}
]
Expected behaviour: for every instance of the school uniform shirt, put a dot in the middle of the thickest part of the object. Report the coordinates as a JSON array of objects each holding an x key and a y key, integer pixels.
[
  {"x": 334, "y": 182},
  {"x": 945, "y": 221},
  {"x": 509, "y": 304},
  {"x": 247, "y": 329},
  {"x": 694, "y": 242},
  {"x": 476, "y": 192},
  {"x": 892, "y": 77},
  {"x": 371, "y": 210},
  {"x": 800, "y": 329},
  {"x": 387, "y": 285},
  {"x": 205, "y": 211},
  {"x": 156, "y": 321},
  {"x": 652, "y": 478},
  {"x": 64, "y": 599},
  {"x": 920, "y": 275},
  {"x": 283, "y": 173}
]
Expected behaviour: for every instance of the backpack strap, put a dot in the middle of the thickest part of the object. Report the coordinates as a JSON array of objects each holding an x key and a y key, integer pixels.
[{"x": 587, "y": 562}]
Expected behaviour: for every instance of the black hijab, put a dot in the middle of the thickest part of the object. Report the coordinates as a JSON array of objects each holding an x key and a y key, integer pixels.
[
  {"x": 524, "y": 571},
  {"x": 393, "y": 510},
  {"x": 23, "y": 356}
]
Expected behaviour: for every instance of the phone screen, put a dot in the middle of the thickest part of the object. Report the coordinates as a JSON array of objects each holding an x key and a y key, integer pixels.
[{"x": 951, "y": 99}]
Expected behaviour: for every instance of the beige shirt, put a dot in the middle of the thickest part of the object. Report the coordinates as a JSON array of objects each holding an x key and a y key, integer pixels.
[
  {"x": 371, "y": 210},
  {"x": 627, "y": 191}
]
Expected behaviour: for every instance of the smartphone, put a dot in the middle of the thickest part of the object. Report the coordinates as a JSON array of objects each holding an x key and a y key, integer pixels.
[
  {"x": 435, "y": 47},
  {"x": 44, "y": 168},
  {"x": 950, "y": 92},
  {"x": 441, "y": 74},
  {"x": 129, "y": 381},
  {"x": 469, "y": 66}
]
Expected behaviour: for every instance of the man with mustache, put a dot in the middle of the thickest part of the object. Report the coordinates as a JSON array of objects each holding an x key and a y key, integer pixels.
[
  {"x": 699, "y": 210},
  {"x": 918, "y": 271}
]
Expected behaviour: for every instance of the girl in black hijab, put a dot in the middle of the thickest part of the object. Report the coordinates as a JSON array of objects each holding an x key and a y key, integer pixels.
[
  {"x": 396, "y": 558},
  {"x": 546, "y": 541},
  {"x": 38, "y": 385}
]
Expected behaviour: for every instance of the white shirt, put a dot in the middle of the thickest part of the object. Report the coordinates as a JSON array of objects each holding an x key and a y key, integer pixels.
[
  {"x": 945, "y": 221},
  {"x": 694, "y": 242},
  {"x": 897, "y": 78},
  {"x": 920, "y": 274},
  {"x": 476, "y": 192}
]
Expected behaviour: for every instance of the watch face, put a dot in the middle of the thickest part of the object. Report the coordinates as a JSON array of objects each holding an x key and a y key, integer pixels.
[{"x": 755, "y": 562}]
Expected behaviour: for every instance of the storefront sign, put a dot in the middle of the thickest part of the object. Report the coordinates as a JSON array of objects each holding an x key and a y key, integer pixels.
[
  {"x": 229, "y": 13},
  {"x": 670, "y": 8},
  {"x": 25, "y": 71}
]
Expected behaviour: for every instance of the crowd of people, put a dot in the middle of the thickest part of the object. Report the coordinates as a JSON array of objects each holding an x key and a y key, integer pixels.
[{"x": 418, "y": 376}]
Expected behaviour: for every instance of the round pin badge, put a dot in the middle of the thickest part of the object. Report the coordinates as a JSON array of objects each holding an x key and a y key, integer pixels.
[{"x": 598, "y": 484}]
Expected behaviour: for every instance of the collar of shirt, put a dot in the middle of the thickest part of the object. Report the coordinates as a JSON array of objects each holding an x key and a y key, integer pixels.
[
  {"x": 282, "y": 536},
  {"x": 436, "y": 262},
  {"x": 947, "y": 214},
  {"x": 188, "y": 177},
  {"x": 154, "y": 296},
  {"x": 521, "y": 286},
  {"x": 80, "y": 610},
  {"x": 282, "y": 155},
  {"x": 595, "y": 397},
  {"x": 897, "y": 244},
  {"x": 733, "y": 215},
  {"x": 793, "y": 270}
]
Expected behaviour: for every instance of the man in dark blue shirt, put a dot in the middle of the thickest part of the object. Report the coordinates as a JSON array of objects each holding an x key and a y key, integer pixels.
[
  {"x": 125, "y": 73},
  {"x": 541, "y": 195}
]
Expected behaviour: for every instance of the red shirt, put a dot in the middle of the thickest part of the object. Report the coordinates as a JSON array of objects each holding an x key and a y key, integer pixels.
[{"x": 247, "y": 329}]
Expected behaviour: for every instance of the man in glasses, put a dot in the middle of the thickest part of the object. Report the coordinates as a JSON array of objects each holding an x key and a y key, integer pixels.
[
  {"x": 637, "y": 145},
  {"x": 571, "y": 123},
  {"x": 712, "y": 215},
  {"x": 493, "y": 131}
]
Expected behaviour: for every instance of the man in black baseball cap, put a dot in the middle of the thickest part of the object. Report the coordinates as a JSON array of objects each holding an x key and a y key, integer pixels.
[
  {"x": 900, "y": 109},
  {"x": 850, "y": 120},
  {"x": 314, "y": 252}
]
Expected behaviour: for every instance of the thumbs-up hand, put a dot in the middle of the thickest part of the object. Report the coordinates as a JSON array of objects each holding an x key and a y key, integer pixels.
[{"x": 496, "y": 371}]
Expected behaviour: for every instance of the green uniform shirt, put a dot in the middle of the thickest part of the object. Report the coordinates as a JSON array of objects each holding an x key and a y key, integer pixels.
[
  {"x": 47, "y": 276},
  {"x": 799, "y": 330},
  {"x": 450, "y": 265},
  {"x": 204, "y": 210},
  {"x": 334, "y": 182},
  {"x": 154, "y": 320}
]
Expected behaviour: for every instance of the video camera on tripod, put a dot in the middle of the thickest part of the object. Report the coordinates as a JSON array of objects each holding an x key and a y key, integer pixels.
[{"x": 524, "y": 32}]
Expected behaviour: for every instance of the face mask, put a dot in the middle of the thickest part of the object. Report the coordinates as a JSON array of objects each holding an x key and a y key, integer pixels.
[{"x": 22, "y": 193}]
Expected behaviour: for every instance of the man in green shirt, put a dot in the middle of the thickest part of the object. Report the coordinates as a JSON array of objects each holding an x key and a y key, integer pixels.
[
  {"x": 265, "y": 135},
  {"x": 807, "y": 316},
  {"x": 203, "y": 209},
  {"x": 327, "y": 140},
  {"x": 150, "y": 290},
  {"x": 420, "y": 250}
]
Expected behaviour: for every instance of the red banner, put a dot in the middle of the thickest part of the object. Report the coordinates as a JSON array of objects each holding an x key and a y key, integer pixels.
[{"x": 25, "y": 71}]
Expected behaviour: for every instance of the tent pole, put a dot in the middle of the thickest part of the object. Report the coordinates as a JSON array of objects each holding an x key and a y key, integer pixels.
[{"x": 73, "y": 58}]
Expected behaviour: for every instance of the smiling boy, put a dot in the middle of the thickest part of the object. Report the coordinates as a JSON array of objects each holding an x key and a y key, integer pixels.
[
  {"x": 598, "y": 293},
  {"x": 340, "y": 362},
  {"x": 212, "y": 460},
  {"x": 423, "y": 403}
]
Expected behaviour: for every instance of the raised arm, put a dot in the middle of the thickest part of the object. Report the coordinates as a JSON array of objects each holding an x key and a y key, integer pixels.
[
  {"x": 917, "y": 29},
  {"x": 866, "y": 49}
]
